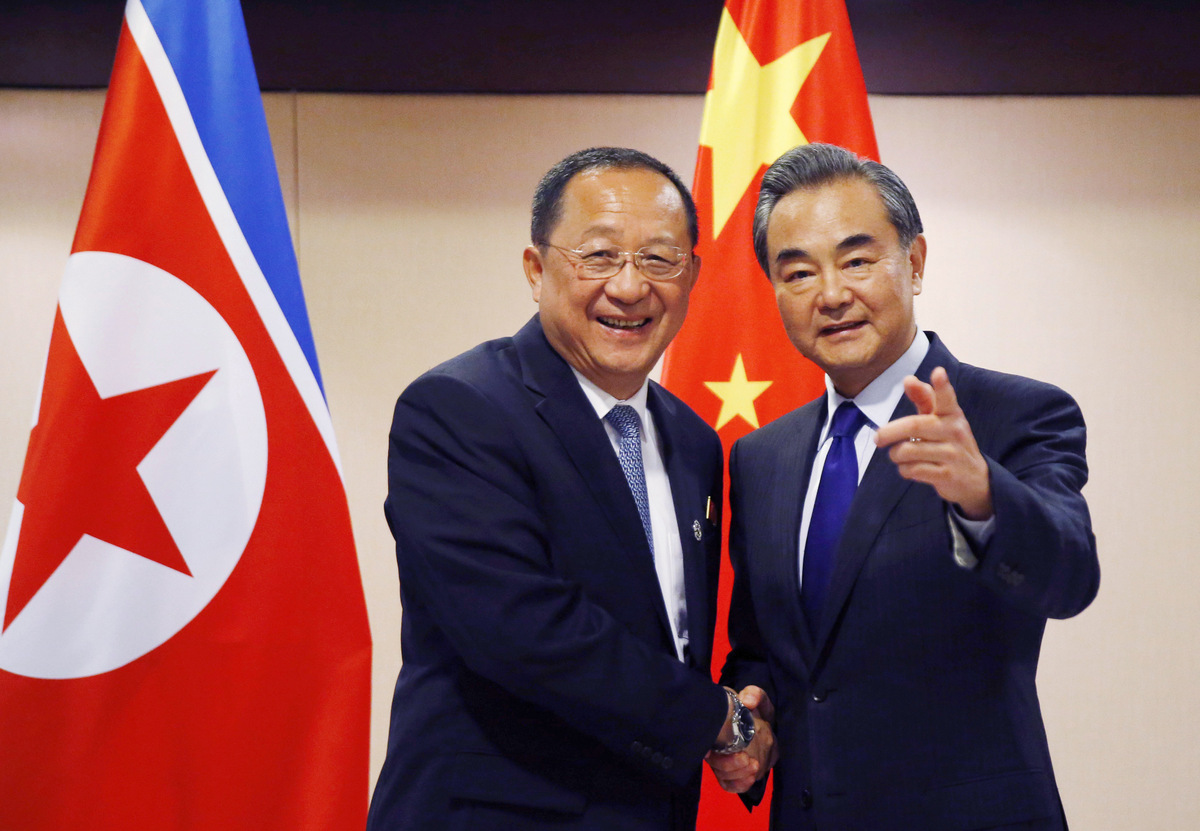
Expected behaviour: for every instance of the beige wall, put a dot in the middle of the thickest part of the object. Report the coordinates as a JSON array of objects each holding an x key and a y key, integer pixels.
[{"x": 1063, "y": 237}]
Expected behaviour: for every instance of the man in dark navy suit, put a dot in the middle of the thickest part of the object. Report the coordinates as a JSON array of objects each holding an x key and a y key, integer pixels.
[
  {"x": 556, "y": 528},
  {"x": 898, "y": 543}
]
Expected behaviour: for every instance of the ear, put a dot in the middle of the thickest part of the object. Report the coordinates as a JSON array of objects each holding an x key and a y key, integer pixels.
[
  {"x": 534, "y": 268},
  {"x": 916, "y": 259}
]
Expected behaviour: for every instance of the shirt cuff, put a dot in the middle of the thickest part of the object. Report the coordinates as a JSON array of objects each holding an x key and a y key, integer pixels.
[{"x": 968, "y": 536}]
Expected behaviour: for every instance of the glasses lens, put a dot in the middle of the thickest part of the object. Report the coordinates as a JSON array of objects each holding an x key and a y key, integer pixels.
[
  {"x": 660, "y": 262},
  {"x": 597, "y": 262}
]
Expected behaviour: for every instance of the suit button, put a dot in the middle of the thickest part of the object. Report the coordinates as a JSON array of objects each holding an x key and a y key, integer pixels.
[
  {"x": 819, "y": 695},
  {"x": 667, "y": 762},
  {"x": 1010, "y": 575},
  {"x": 636, "y": 747},
  {"x": 656, "y": 759},
  {"x": 647, "y": 753},
  {"x": 806, "y": 799}
]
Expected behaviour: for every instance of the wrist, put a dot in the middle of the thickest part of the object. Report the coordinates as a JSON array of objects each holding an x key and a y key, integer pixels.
[{"x": 740, "y": 724}]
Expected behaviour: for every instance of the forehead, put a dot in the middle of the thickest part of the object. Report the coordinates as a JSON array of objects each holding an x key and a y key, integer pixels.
[
  {"x": 814, "y": 218},
  {"x": 634, "y": 199}
]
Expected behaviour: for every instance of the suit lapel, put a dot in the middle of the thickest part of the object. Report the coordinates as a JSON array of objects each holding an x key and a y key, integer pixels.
[
  {"x": 878, "y": 492},
  {"x": 792, "y": 467},
  {"x": 877, "y": 496},
  {"x": 563, "y": 406},
  {"x": 689, "y": 495}
]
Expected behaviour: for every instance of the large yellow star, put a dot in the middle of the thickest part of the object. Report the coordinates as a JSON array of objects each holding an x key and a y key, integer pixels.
[
  {"x": 737, "y": 395},
  {"x": 746, "y": 113}
]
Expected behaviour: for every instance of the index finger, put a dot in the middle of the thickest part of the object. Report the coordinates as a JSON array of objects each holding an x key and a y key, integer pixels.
[
  {"x": 902, "y": 429},
  {"x": 945, "y": 399}
]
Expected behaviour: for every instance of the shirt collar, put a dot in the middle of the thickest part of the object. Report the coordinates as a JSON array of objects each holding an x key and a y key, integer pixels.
[
  {"x": 879, "y": 398},
  {"x": 602, "y": 402}
]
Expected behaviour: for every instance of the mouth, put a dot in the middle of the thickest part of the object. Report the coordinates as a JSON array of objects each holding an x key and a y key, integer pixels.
[
  {"x": 839, "y": 328},
  {"x": 621, "y": 324}
]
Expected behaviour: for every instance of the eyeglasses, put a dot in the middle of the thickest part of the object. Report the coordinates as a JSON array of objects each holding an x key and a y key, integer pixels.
[{"x": 657, "y": 262}]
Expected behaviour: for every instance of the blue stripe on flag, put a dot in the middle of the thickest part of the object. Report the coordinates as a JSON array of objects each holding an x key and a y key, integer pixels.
[{"x": 206, "y": 43}]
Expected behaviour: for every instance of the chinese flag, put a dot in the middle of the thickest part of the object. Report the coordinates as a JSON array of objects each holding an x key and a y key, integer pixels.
[
  {"x": 785, "y": 72},
  {"x": 184, "y": 642}
]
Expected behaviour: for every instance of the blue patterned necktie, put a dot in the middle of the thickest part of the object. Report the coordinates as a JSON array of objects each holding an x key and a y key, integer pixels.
[
  {"x": 839, "y": 480},
  {"x": 629, "y": 453}
]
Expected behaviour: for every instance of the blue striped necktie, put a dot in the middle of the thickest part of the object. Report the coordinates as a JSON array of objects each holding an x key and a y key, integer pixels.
[{"x": 629, "y": 453}]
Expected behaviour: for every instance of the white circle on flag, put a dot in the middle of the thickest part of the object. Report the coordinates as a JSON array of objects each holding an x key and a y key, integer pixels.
[{"x": 136, "y": 326}]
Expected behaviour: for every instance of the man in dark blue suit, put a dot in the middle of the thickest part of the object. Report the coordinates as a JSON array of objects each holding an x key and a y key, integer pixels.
[
  {"x": 897, "y": 556},
  {"x": 556, "y": 528}
]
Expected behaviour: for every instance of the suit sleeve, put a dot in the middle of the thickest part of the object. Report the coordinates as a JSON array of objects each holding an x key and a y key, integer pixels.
[
  {"x": 472, "y": 547},
  {"x": 1042, "y": 556},
  {"x": 746, "y": 663}
]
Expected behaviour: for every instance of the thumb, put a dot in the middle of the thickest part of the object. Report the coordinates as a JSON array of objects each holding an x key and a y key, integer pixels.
[
  {"x": 756, "y": 698},
  {"x": 751, "y": 696}
]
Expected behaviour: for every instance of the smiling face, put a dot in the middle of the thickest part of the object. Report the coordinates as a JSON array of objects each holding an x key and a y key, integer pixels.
[
  {"x": 613, "y": 331},
  {"x": 843, "y": 282}
]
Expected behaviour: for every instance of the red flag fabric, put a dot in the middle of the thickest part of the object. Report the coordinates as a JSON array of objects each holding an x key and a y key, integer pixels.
[
  {"x": 184, "y": 641},
  {"x": 785, "y": 72}
]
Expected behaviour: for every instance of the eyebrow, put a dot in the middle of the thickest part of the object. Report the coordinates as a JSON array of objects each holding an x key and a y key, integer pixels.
[
  {"x": 855, "y": 241},
  {"x": 852, "y": 241},
  {"x": 791, "y": 254}
]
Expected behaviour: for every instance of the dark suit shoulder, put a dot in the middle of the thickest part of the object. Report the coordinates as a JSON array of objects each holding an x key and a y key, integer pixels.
[
  {"x": 985, "y": 388},
  {"x": 485, "y": 377},
  {"x": 978, "y": 380},
  {"x": 994, "y": 401},
  {"x": 479, "y": 365},
  {"x": 783, "y": 429},
  {"x": 682, "y": 417}
]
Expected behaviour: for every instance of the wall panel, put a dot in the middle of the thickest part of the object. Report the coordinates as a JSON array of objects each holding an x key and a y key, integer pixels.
[{"x": 1060, "y": 232}]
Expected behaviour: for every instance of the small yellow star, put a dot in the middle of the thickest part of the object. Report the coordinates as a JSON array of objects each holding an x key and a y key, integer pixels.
[
  {"x": 746, "y": 119},
  {"x": 737, "y": 395}
]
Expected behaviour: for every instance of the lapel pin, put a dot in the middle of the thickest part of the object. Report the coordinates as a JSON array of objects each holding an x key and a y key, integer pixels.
[
  {"x": 696, "y": 529},
  {"x": 708, "y": 509}
]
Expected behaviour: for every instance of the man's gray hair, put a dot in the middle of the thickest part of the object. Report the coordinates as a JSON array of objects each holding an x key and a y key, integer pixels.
[{"x": 810, "y": 166}]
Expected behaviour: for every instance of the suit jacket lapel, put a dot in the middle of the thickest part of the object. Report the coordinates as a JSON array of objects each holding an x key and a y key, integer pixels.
[
  {"x": 689, "y": 495},
  {"x": 793, "y": 467},
  {"x": 878, "y": 493},
  {"x": 563, "y": 406}
]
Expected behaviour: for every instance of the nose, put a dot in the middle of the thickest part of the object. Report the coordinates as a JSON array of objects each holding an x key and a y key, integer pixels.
[
  {"x": 628, "y": 285},
  {"x": 835, "y": 292}
]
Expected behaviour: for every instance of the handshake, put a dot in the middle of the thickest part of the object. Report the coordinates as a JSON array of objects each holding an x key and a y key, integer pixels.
[{"x": 737, "y": 772}]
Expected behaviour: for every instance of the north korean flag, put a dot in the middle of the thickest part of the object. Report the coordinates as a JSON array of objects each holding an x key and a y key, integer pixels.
[{"x": 184, "y": 642}]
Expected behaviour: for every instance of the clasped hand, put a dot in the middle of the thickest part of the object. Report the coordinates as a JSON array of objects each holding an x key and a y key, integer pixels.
[{"x": 737, "y": 772}]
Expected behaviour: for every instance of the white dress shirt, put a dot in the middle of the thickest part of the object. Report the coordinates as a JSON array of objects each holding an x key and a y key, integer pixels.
[
  {"x": 877, "y": 402},
  {"x": 668, "y": 550}
]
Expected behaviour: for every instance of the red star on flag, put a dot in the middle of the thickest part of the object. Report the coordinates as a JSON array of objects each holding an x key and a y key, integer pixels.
[{"x": 81, "y": 474}]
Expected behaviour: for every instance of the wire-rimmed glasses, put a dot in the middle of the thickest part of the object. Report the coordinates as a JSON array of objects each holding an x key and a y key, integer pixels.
[{"x": 656, "y": 262}]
